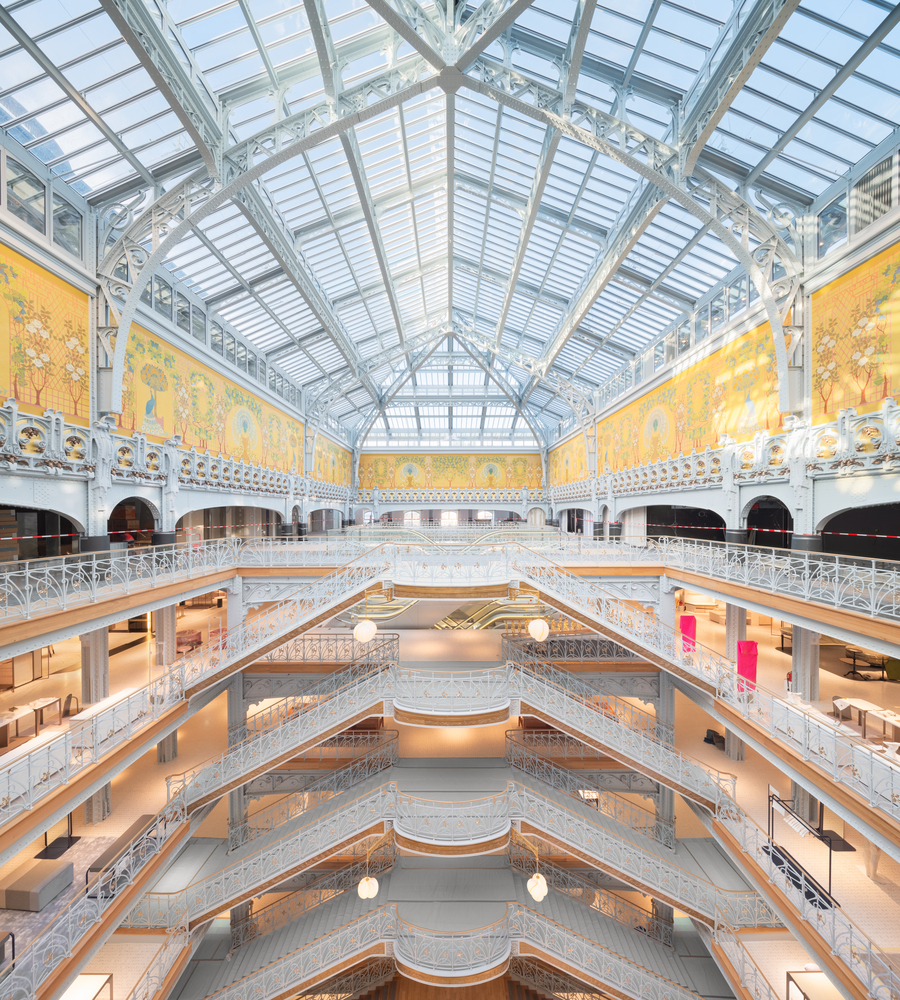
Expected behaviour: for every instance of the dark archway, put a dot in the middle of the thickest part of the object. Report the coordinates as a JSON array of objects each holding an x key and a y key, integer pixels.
[
  {"x": 770, "y": 523},
  {"x": 26, "y": 533},
  {"x": 674, "y": 521},
  {"x": 132, "y": 522},
  {"x": 850, "y": 532}
]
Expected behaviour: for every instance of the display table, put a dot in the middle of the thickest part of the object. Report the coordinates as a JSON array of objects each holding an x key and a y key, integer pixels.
[{"x": 12, "y": 716}]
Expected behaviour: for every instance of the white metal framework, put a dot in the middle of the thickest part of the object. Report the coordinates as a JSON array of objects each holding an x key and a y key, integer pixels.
[{"x": 449, "y": 218}]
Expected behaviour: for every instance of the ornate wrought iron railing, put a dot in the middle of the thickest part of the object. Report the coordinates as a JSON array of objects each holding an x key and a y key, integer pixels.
[
  {"x": 379, "y": 758},
  {"x": 321, "y": 890},
  {"x": 54, "y": 943},
  {"x": 584, "y": 789},
  {"x": 595, "y": 897}
]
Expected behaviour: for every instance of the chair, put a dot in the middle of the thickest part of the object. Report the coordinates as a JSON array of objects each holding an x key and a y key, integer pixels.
[
  {"x": 841, "y": 705},
  {"x": 67, "y": 706},
  {"x": 892, "y": 669},
  {"x": 890, "y": 750}
]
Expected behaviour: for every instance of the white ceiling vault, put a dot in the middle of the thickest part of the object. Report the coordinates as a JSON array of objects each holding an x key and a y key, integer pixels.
[{"x": 449, "y": 222}]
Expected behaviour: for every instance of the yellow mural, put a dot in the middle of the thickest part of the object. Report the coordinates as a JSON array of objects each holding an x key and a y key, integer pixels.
[
  {"x": 44, "y": 358},
  {"x": 332, "y": 463},
  {"x": 436, "y": 471},
  {"x": 166, "y": 392},
  {"x": 734, "y": 392},
  {"x": 567, "y": 463},
  {"x": 856, "y": 338}
]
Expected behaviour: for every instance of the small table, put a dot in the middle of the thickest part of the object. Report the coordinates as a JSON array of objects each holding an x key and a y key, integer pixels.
[
  {"x": 12, "y": 716},
  {"x": 887, "y": 718},
  {"x": 862, "y": 709},
  {"x": 811, "y": 986}
]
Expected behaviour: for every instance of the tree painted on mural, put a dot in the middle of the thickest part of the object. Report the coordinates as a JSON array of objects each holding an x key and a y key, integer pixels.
[
  {"x": 825, "y": 361},
  {"x": 867, "y": 350},
  {"x": 203, "y": 402}
]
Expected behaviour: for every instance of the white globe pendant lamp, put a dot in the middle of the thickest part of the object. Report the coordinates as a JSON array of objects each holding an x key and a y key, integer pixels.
[
  {"x": 368, "y": 888},
  {"x": 538, "y": 629},
  {"x": 537, "y": 887},
  {"x": 365, "y": 631}
]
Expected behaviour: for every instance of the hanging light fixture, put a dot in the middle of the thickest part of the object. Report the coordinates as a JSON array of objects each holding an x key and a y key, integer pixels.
[
  {"x": 368, "y": 886},
  {"x": 538, "y": 629},
  {"x": 537, "y": 885},
  {"x": 365, "y": 632}
]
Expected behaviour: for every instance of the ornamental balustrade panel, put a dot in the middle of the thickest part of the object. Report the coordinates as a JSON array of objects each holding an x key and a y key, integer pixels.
[
  {"x": 868, "y": 586},
  {"x": 238, "y": 880},
  {"x": 321, "y": 890},
  {"x": 452, "y": 954},
  {"x": 335, "y": 647},
  {"x": 460, "y": 692},
  {"x": 595, "y": 897},
  {"x": 847, "y": 759},
  {"x": 862, "y": 957},
  {"x": 55, "y": 943},
  {"x": 154, "y": 975},
  {"x": 282, "y": 741},
  {"x": 468, "y": 822},
  {"x": 338, "y": 749},
  {"x": 320, "y": 790},
  {"x": 630, "y": 859},
  {"x": 557, "y": 648},
  {"x": 312, "y": 962},
  {"x": 592, "y": 959},
  {"x": 748, "y": 971},
  {"x": 454, "y": 494},
  {"x": 34, "y": 587},
  {"x": 591, "y": 693},
  {"x": 583, "y": 789},
  {"x": 605, "y": 729},
  {"x": 291, "y": 706},
  {"x": 589, "y": 957}
]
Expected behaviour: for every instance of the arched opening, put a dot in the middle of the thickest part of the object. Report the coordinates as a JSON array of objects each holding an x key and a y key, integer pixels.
[
  {"x": 578, "y": 521},
  {"x": 131, "y": 524},
  {"x": 675, "y": 521},
  {"x": 870, "y": 532},
  {"x": 536, "y": 517},
  {"x": 449, "y": 518},
  {"x": 324, "y": 519},
  {"x": 24, "y": 534},
  {"x": 229, "y": 522},
  {"x": 411, "y": 519},
  {"x": 601, "y": 525},
  {"x": 769, "y": 523}
]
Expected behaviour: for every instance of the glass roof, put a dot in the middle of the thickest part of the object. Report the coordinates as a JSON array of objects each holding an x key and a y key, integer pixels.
[{"x": 451, "y": 210}]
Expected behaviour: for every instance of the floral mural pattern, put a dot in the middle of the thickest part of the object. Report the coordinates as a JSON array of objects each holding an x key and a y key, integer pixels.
[
  {"x": 165, "y": 392},
  {"x": 44, "y": 359},
  {"x": 332, "y": 463},
  {"x": 856, "y": 338},
  {"x": 434, "y": 471},
  {"x": 734, "y": 391},
  {"x": 567, "y": 463}
]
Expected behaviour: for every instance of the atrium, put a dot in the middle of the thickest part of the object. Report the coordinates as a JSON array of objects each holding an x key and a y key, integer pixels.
[{"x": 449, "y": 500}]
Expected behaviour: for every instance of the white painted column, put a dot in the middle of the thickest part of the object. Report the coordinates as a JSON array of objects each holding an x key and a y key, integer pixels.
[
  {"x": 234, "y": 602},
  {"x": 94, "y": 688},
  {"x": 165, "y": 623},
  {"x": 665, "y": 713},
  {"x": 805, "y": 663},
  {"x": 735, "y": 632},
  {"x": 805, "y": 681},
  {"x": 735, "y": 629}
]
